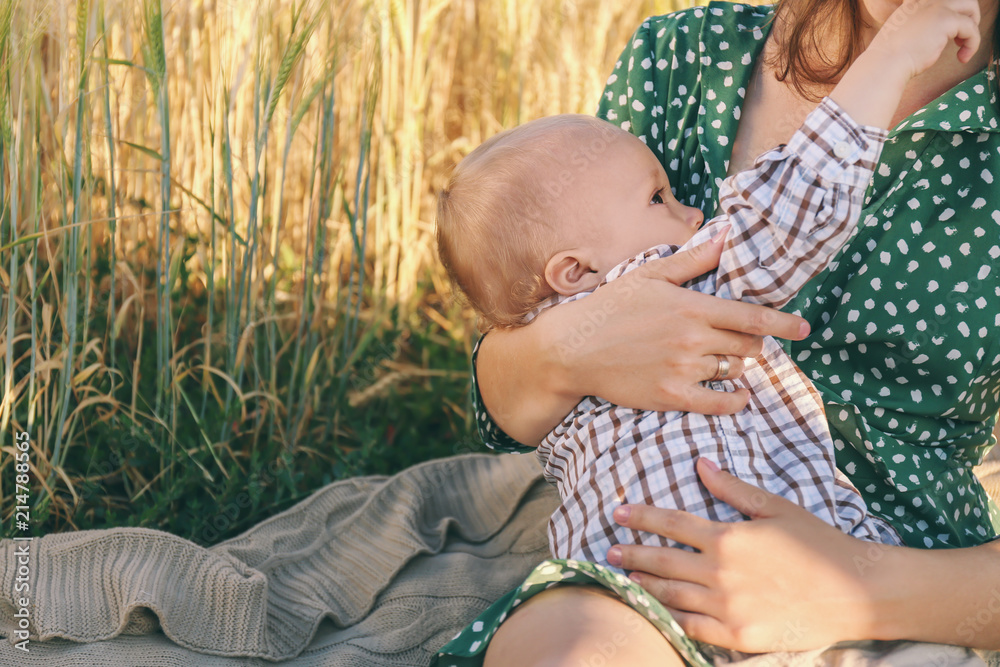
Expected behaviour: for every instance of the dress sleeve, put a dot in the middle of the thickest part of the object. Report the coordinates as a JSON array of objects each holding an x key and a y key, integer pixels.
[
  {"x": 794, "y": 210},
  {"x": 491, "y": 434}
]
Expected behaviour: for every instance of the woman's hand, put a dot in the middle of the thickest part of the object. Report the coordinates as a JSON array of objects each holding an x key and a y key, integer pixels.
[
  {"x": 784, "y": 581},
  {"x": 640, "y": 342}
]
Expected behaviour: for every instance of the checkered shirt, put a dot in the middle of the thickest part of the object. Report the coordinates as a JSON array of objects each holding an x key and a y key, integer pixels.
[{"x": 790, "y": 214}]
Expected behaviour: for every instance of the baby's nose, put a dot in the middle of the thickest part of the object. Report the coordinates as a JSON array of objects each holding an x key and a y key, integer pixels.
[{"x": 694, "y": 216}]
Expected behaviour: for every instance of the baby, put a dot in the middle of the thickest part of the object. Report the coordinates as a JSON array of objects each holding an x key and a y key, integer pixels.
[{"x": 550, "y": 211}]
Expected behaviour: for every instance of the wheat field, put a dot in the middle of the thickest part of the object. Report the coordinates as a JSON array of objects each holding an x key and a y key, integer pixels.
[{"x": 216, "y": 244}]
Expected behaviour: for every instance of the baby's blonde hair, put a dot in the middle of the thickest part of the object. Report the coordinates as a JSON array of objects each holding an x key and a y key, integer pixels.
[{"x": 497, "y": 223}]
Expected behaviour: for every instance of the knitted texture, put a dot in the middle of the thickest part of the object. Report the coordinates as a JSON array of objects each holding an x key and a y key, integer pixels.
[{"x": 357, "y": 552}]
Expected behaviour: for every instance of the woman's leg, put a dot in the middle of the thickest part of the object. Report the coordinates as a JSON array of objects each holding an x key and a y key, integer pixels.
[{"x": 578, "y": 626}]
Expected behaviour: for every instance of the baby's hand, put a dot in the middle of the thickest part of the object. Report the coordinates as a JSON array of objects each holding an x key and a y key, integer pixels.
[{"x": 915, "y": 35}]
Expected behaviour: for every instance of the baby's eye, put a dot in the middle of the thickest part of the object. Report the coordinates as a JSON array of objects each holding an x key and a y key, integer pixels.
[{"x": 657, "y": 197}]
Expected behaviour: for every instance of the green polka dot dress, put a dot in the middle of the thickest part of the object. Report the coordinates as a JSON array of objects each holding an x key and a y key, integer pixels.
[
  {"x": 905, "y": 346},
  {"x": 468, "y": 647}
]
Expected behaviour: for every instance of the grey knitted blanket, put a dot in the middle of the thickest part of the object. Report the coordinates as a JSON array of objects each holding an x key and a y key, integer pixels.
[{"x": 366, "y": 572}]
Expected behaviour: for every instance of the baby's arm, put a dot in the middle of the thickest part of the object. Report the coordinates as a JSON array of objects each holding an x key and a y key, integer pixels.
[
  {"x": 798, "y": 205},
  {"x": 911, "y": 40},
  {"x": 795, "y": 209}
]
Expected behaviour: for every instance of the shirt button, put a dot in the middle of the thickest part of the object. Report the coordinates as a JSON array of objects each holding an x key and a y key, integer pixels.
[{"x": 842, "y": 149}]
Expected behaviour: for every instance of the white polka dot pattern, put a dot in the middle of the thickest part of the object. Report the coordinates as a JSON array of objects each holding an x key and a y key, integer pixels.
[
  {"x": 917, "y": 285},
  {"x": 906, "y": 320}
]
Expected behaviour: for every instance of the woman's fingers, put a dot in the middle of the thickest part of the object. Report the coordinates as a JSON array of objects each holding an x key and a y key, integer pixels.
[
  {"x": 733, "y": 343},
  {"x": 714, "y": 363},
  {"x": 641, "y": 342},
  {"x": 746, "y": 498},
  {"x": 757, "y": 320},
  {"x": 702, "y": 628},
  {"x": 749, "y": 580},
  {"x": 676, "y": 594},
  {"x": 676, "y": 525},
  {"x": 705, "y": 401},
  {"x": 661, "y": 568},
  {"x": 730, "y": 315},
  {"x": 687, "y": 265}
]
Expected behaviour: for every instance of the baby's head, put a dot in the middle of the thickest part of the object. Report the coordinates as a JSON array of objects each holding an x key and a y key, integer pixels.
[{"x": 550, "y": 207}]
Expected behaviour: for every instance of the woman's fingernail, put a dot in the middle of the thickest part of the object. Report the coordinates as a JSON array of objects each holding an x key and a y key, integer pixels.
[
  {"x": 711, "y": 465},
  {"x": 636, "y": 577},
  {"x": 621, "y": 514},
  {"x": 804, "y": 329},
  {"x": 615, "y": 556},
  {"x": 721, "y": 234}
]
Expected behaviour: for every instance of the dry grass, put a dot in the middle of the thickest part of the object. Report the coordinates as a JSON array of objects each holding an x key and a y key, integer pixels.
[{"x": 217, "y": 219}]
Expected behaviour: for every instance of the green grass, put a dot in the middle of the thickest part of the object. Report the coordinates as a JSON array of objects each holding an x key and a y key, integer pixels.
[
  {"x": 218, "y": 285},
  {"x": 400, "y": 425}
]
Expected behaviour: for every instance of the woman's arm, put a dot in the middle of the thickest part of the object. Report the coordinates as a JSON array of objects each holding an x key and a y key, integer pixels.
[
  {"x": 786, "y": 579},
  {"x": 650, "y": 345},
  {"x": 641, "y": 342}
]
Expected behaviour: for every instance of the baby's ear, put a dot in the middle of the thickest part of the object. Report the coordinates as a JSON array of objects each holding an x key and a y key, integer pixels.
[{"x": 571, "y": 271}]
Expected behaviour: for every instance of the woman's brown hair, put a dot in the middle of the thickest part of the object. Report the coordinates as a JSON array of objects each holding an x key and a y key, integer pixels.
[{"x": 803, "y": 62}]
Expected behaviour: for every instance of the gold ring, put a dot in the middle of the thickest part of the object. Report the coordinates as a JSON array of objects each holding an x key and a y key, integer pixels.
[{"x": 723, "y": 371}]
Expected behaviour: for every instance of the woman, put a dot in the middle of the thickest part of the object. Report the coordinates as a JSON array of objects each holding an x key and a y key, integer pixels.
[{"x": 904, "y": 346}]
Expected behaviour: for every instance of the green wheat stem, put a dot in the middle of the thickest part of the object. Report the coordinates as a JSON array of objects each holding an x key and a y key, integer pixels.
[
  {"x": 270, "y": 294},
  {"x": 231, "y": 322},
  {"x": 237, "y": 292},
  {"x": 71, "y": 268},
  {"x": 291, "y": 127},
  {"x": 297, "y": 356},
  {"x": 265, "y": 102},
  {"x": 313, "y": 281},
  {"x": 246, "y": 275},
  {"x": 361, "y": 205},
  {"x": 83, "y": 18},
  {"x": 9, "y": 153},
  {"x": 112, "y": 187},
  {"x": 227, "y": 165},
  {"x": 210, "y": 280},
  {"x": 155, "y": 60},
  {"x": 37, "y": 208}
]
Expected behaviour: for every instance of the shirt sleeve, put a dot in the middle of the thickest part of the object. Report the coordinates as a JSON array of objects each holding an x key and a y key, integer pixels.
[{"x": 794, "y": 210}]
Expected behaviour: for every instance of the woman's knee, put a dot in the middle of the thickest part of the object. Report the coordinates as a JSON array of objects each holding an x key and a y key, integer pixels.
[{"x": 578, "y": 626}]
